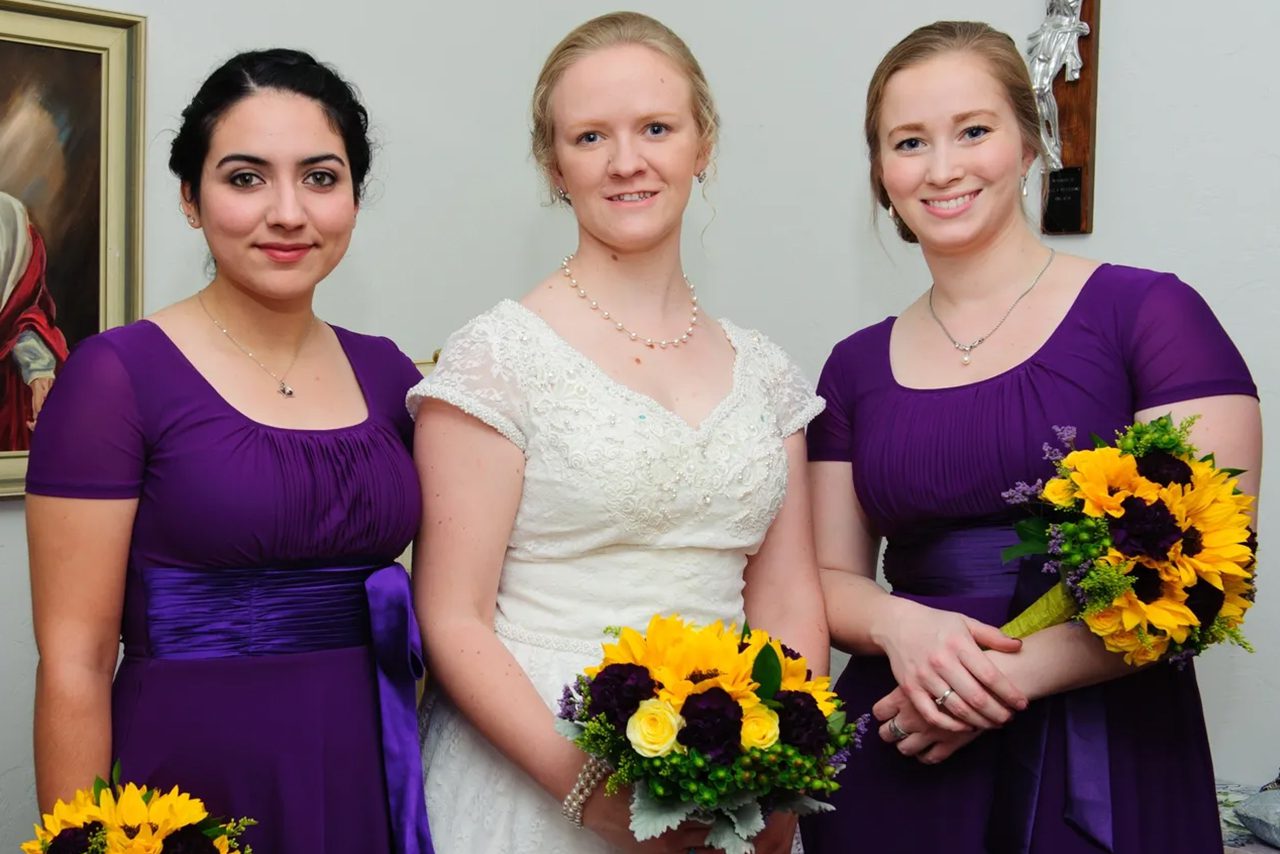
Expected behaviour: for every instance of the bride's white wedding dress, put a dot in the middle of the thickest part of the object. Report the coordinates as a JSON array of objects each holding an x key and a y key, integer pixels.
[{"x": 627, "y": 511}]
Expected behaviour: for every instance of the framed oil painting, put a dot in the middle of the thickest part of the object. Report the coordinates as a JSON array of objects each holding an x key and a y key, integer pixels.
[{"x": 71, "y": 159}]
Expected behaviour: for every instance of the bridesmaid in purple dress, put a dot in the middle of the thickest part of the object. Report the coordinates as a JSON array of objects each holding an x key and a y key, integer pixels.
[
  {"x": 988, "y": 744},
  {"x": 226, "y": 485}
]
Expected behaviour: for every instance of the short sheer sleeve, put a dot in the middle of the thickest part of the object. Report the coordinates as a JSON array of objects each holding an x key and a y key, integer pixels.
[
  {"x": 1177, "y": 350},
  {"x": 89, "y": 440},
  {"x": 830, "y": 436},
  {"x": 478, "y": 372},
  {"x": 789, "y": 391}
]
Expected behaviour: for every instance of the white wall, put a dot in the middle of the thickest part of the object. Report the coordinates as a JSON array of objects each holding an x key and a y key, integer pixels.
[{"x": 1188, "y": 179}]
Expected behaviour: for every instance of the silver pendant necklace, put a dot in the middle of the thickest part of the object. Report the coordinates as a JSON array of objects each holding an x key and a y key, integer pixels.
[
  {"x": 966, "y": 349},
  {"x": 283, "y": 388},
  {"x": 663, "y": 343}
]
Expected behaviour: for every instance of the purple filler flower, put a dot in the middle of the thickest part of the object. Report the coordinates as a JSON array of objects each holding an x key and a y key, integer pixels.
[
  {"x": 1145, "y": 529},
  {"x": 1023, "y": 492},
  {"x": 1056, "y": 540},
  {"x": 800, "y": 722},
  {"x": 618, "y": 690},
  {"x": 1066, "y": 435},
  {"x": 1051, "y": 453},
  {"x": 569, "y": 706},
  {"x": 712, "y": 725}
]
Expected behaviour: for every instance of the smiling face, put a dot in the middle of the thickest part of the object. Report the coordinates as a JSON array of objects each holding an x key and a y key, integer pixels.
[
  {"x": 951, "y": 153},
  {"x": 626, "y": 146},
  {"x": 276, "y": 203}
]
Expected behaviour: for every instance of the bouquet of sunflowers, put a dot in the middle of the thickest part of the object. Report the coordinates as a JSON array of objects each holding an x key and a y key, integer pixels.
[
  {"x": 709, "y": 724},
  {"x": 128, "y": 819},
  {"x": 1153, "y": 544}
]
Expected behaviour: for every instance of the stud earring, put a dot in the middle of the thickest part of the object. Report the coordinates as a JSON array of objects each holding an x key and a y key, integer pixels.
[
  {"x": 564, "y": 197},
  {"x": 1024, "y": 186},
  {"x": 191, "y": 221},
  {"x": 893, "y": 215},
  {"x": 702, "y": 176}
]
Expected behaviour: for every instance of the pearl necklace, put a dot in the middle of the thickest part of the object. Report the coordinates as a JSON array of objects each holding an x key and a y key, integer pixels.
[
  {"x": 284, "y": 389},
  {"x": 663, "y": 343}
]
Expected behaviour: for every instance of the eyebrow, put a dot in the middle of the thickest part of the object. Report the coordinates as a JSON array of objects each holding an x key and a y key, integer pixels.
[
  {"x": 958, "y": 118},
  {"x": 254, "y": 160}
]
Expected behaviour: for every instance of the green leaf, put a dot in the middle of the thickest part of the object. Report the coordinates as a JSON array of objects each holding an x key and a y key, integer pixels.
[
  {"x": 1032, "y": 528},
  {"x": 746, "y": 632},
  {"x": 569, "y": 729},
  {"x": 724, "y": 837},
  {"x": 835, "y": 723},
  {"x": 768, "y": 672},
  {"x": 801, "y": 804},
  {"x": 99, "y": 786},
  {"x": 1098, "y": 441},
  {"x": 115, "y": 773},
  {"x": 148, "y": 795},
  {"x": 651, "y": 817},
  {"x": 1024, "y": 549},
  {"x": 747, "y": 819},
  {"x": 1234, "y": 472}
]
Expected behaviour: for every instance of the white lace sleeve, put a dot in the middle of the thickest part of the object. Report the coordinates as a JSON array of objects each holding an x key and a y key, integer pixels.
[
  {"x": 478, "y": 373},
  {"x": 794, "y": 402}
]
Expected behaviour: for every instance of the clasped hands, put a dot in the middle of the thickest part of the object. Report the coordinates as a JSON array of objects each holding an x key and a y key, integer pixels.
[{"x": 949, "y": 690}]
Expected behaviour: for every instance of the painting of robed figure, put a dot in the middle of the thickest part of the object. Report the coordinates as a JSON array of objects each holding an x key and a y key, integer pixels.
[{"x": 70, "y": 217}]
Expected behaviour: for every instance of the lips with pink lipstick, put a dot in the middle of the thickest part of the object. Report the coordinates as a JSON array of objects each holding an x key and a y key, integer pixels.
[
  {"x": 951, "y": 205},
  {"x": 285, "y": 253}
]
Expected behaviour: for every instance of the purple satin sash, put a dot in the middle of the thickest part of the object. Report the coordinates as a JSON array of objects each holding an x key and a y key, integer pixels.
[
  {"x": 962, "y": 567},
  {"x": 228, "y": 613}
]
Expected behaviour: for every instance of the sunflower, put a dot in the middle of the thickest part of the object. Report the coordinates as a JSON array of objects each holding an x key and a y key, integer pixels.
[
  {"x": 685, "y": 659},
  {"x": 1104, "y": 478},
  {"x": 1215, "y": 527},
  {"x": 796, "y": 675},
  {"x": 80, "y": 812},
  {"x": 175, "y": 810}
]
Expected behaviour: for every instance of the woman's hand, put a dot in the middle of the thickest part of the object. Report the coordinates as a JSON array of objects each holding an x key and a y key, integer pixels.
[
  {"x": 609, "y": 816},
  {"x": 778, "y": 835},
  {"x": 925, "y": 742},
  {"x": 939, "y": 655}
]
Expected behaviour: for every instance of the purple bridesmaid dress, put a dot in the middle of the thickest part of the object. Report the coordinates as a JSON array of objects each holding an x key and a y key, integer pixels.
[
  {"x": 1122, "y": 767},
  {"x": 270, "y": 649}
]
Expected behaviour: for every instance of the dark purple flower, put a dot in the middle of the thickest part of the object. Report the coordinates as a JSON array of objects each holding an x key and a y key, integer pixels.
[
  {"x": 618, "y": 690},
  {"x": 1179, "y": 659},
  {"x": 1205, "y": 601},
  {"x": 712, "y": 725},
  {"x": 1145, "y": 529},
  {"x": 1163, "y": 468},
  {"x": 188, "y": 840},
  {"x": 800, "y": 722},
  {"x": 1022, "y": 492},
  {"x": 74, "y": 840}
]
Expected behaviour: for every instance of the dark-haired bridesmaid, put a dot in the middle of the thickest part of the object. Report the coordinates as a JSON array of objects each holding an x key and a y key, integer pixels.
[{"x": 226, "y": 485}]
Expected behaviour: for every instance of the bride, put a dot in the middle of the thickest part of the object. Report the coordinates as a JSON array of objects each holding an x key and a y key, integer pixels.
[{"x": 596, "y": 453}]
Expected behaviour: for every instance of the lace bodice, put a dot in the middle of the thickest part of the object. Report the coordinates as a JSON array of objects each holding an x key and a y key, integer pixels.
[{"x": 627, "y": 510}]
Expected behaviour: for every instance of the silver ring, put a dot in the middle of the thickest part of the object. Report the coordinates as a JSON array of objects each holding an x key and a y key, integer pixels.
[
  {"x": 942, "y": 700},
  {"x": 896, "y": 731}
]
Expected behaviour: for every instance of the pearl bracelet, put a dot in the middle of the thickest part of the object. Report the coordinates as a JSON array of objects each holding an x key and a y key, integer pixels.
[{"x": 594, "y": 770}]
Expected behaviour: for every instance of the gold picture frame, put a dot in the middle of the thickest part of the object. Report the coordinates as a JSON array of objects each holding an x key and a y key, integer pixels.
[{"x": 71, "y": 168}]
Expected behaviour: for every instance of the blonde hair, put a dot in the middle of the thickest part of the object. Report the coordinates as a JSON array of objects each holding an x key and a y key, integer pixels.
[
  {"x": 982, "y": 40},
  {"x": 617, "y": 28}
]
